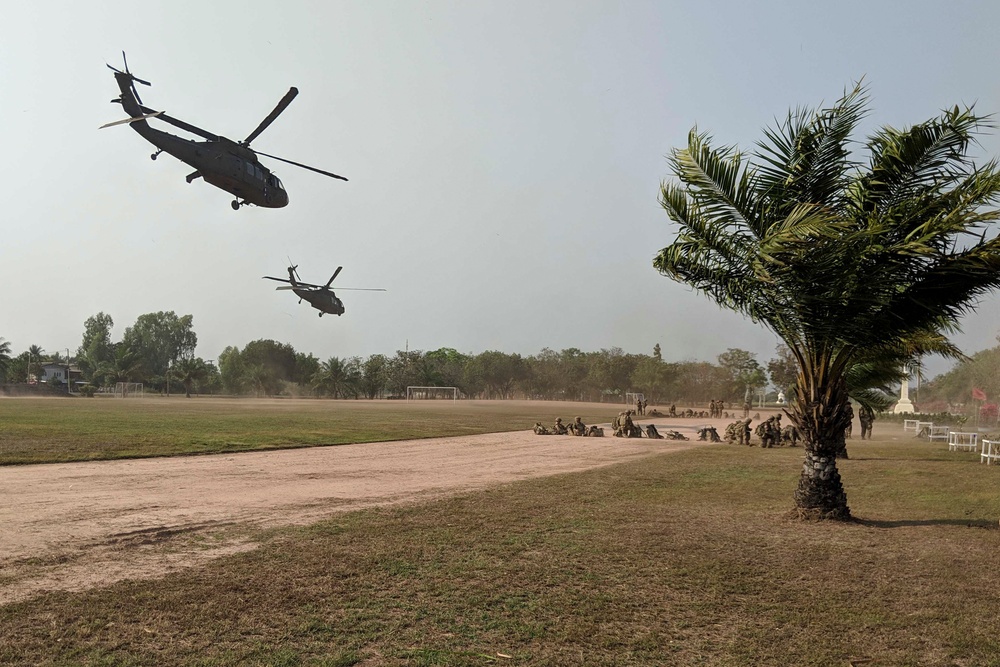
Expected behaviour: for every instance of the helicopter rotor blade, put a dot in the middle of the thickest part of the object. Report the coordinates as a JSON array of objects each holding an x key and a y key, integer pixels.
[
  {"x": 299, "y": 164},
  {"x": 334, "y": 276},
  {"x": 193, "y": 129},
  {"x": 364, "y": 289},
  {"x": 134, "y": 77},
  {"x": 131, "y": 120},
  {"x": 282, "y": 104}
]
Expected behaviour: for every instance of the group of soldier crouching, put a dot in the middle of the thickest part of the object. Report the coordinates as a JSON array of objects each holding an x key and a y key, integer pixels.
[
  {"x": 576, "y": 428},
  {"x": 623, "y": 427},
  {"x": 769, "y": 431}
]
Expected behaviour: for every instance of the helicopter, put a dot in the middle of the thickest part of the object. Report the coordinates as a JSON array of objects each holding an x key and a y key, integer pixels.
[
  {"x": 229, "y": 165},
  {"x": 320, "y": 297}
]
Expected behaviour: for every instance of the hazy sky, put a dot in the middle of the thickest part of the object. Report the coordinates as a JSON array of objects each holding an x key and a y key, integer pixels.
[{"x": 504, "y": 160}]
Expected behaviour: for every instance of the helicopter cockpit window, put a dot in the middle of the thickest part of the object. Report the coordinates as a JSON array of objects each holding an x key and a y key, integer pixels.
[
  {"x": 277, "y": 182},
  {"x": 249, "y": 169}
]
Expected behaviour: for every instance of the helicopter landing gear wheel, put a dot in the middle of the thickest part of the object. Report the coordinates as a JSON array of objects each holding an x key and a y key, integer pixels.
[
  {"x": 321, "y": 314},
  {"x": 153, "y": 156},
  {"x": 235, "y": 204}
]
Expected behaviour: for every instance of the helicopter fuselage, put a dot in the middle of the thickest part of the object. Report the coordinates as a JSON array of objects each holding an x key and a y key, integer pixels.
[
  {"x": 323, "y": 301},
  {"x": 223, "y": 162}
]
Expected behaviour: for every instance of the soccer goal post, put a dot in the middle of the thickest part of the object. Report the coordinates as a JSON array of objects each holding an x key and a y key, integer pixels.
[
  {"x": 431, "y": 393},
  {"x": 631, "y": 397},
  {"x": 128, "y": 389}
]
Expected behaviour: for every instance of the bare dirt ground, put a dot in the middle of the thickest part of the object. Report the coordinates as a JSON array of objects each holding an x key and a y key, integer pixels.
[{"x": 83, "y": 525}]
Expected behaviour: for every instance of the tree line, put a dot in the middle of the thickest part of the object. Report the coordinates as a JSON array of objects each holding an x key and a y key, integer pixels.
[{"x": 158, "y": 350}]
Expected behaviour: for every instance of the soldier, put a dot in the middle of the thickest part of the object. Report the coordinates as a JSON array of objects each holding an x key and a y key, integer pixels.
[
  {"x": 559, "y": 428},
  {"x": 745, "y": 432},
  {"x": 638, "y": 406},
  {"x": 595, "y": 432},
  {"x": 867, "y": 418},
  {"x": 578, "y": 427},
  {"x": 719, "y": 407},
  {"x": 651, "y": 432},
  {"x": 850, "y": 424},
  {"x": 673, "y": 410},
  {"x": 731, "y": 432},
  {"x": 708, "y": 433},
  {"x": 541, "y": 430},
  {"x": 626, "y": 427},
  {"x": 790, "y": 436},
  {"x": 711, "y": 407},
  {"x": 746, "y": 410}
]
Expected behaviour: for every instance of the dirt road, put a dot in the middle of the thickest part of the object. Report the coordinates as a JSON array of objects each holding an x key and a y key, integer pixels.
[{"x": 81, "y": 525}]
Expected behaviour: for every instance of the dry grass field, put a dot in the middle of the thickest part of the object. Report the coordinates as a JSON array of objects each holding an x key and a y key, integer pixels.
[
  {"x": 36, "y": 430},
  {"x": 679, "y": 558}
]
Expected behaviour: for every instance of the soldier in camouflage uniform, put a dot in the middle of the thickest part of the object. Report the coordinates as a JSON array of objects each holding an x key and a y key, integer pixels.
[
  {"x": 790, "y": 436},
  {"x": 559, "y": 428},
  {"x": 578, "y": 427},
  {"x": 541, "y": 430},
  {"x": 595, "y": 432},
  {"x": 651, "y": 432},
  {"x": 867, "y": 418},
  {"x": 708, "y": 433},
  {"x": 733, "y": 431}
]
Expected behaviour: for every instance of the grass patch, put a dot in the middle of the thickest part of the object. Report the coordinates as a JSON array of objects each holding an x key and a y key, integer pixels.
[
  {"x": 59, "y": 430},
  {"x": 680, "y": 559}
]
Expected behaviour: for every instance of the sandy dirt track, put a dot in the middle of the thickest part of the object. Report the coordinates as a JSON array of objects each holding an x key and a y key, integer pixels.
[{"x": 82, "y": 525}]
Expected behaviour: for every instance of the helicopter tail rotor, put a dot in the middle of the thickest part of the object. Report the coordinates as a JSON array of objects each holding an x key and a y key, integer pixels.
[{"x": 132, "y": 77}]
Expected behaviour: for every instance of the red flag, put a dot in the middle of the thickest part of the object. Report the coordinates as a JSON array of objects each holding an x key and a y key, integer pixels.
[{"x": 978, "y": 394}]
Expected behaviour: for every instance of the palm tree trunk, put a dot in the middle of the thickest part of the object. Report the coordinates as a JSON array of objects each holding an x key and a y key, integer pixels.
[{"x": 820, "y": 413}]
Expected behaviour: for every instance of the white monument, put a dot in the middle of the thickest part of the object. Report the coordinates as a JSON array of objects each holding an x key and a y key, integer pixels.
[
  {"x": 904, "y": 405},
  {"x": 781, "y": 398}
]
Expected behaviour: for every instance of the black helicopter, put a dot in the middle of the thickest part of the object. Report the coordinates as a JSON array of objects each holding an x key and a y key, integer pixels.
[
  {"x": 222, "y": 162},
  {"x": 320, "y": 297}
]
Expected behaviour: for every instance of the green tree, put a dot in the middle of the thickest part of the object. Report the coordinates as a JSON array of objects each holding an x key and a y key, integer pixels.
[
  {"x": 336, "y": 378},
  {"x": 159, "y": 340},
  {"x": 4, "y": 358},
  {"x": 124, "y": 366},
  {"x": 837, "y": 257},
  {"x": 743, "y": 373},
  {"x": 373, "y": 376},
  {"x": 231, "y": 371},
  {"x": 783, "y": 369},
  {"x": 278, "y": 358},
  {"x": 306, "y": 366},
  {"x": 96, "y": 344},
  {"x": 189, "y": 372}
]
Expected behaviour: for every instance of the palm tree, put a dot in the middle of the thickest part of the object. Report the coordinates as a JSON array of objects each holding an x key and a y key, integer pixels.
[
  {"x": 124, "y": 366},
  {"x": 35, "y": 354},
  {"x": 4, "y": 356},
  {"x": 189, "y": 371},
  {"x": 334, "y": 377},
  {"x": 837, "y": 257}
]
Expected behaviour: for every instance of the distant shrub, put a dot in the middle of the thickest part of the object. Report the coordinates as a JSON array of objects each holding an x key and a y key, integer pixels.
[{"x": 88, "y": 390}]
